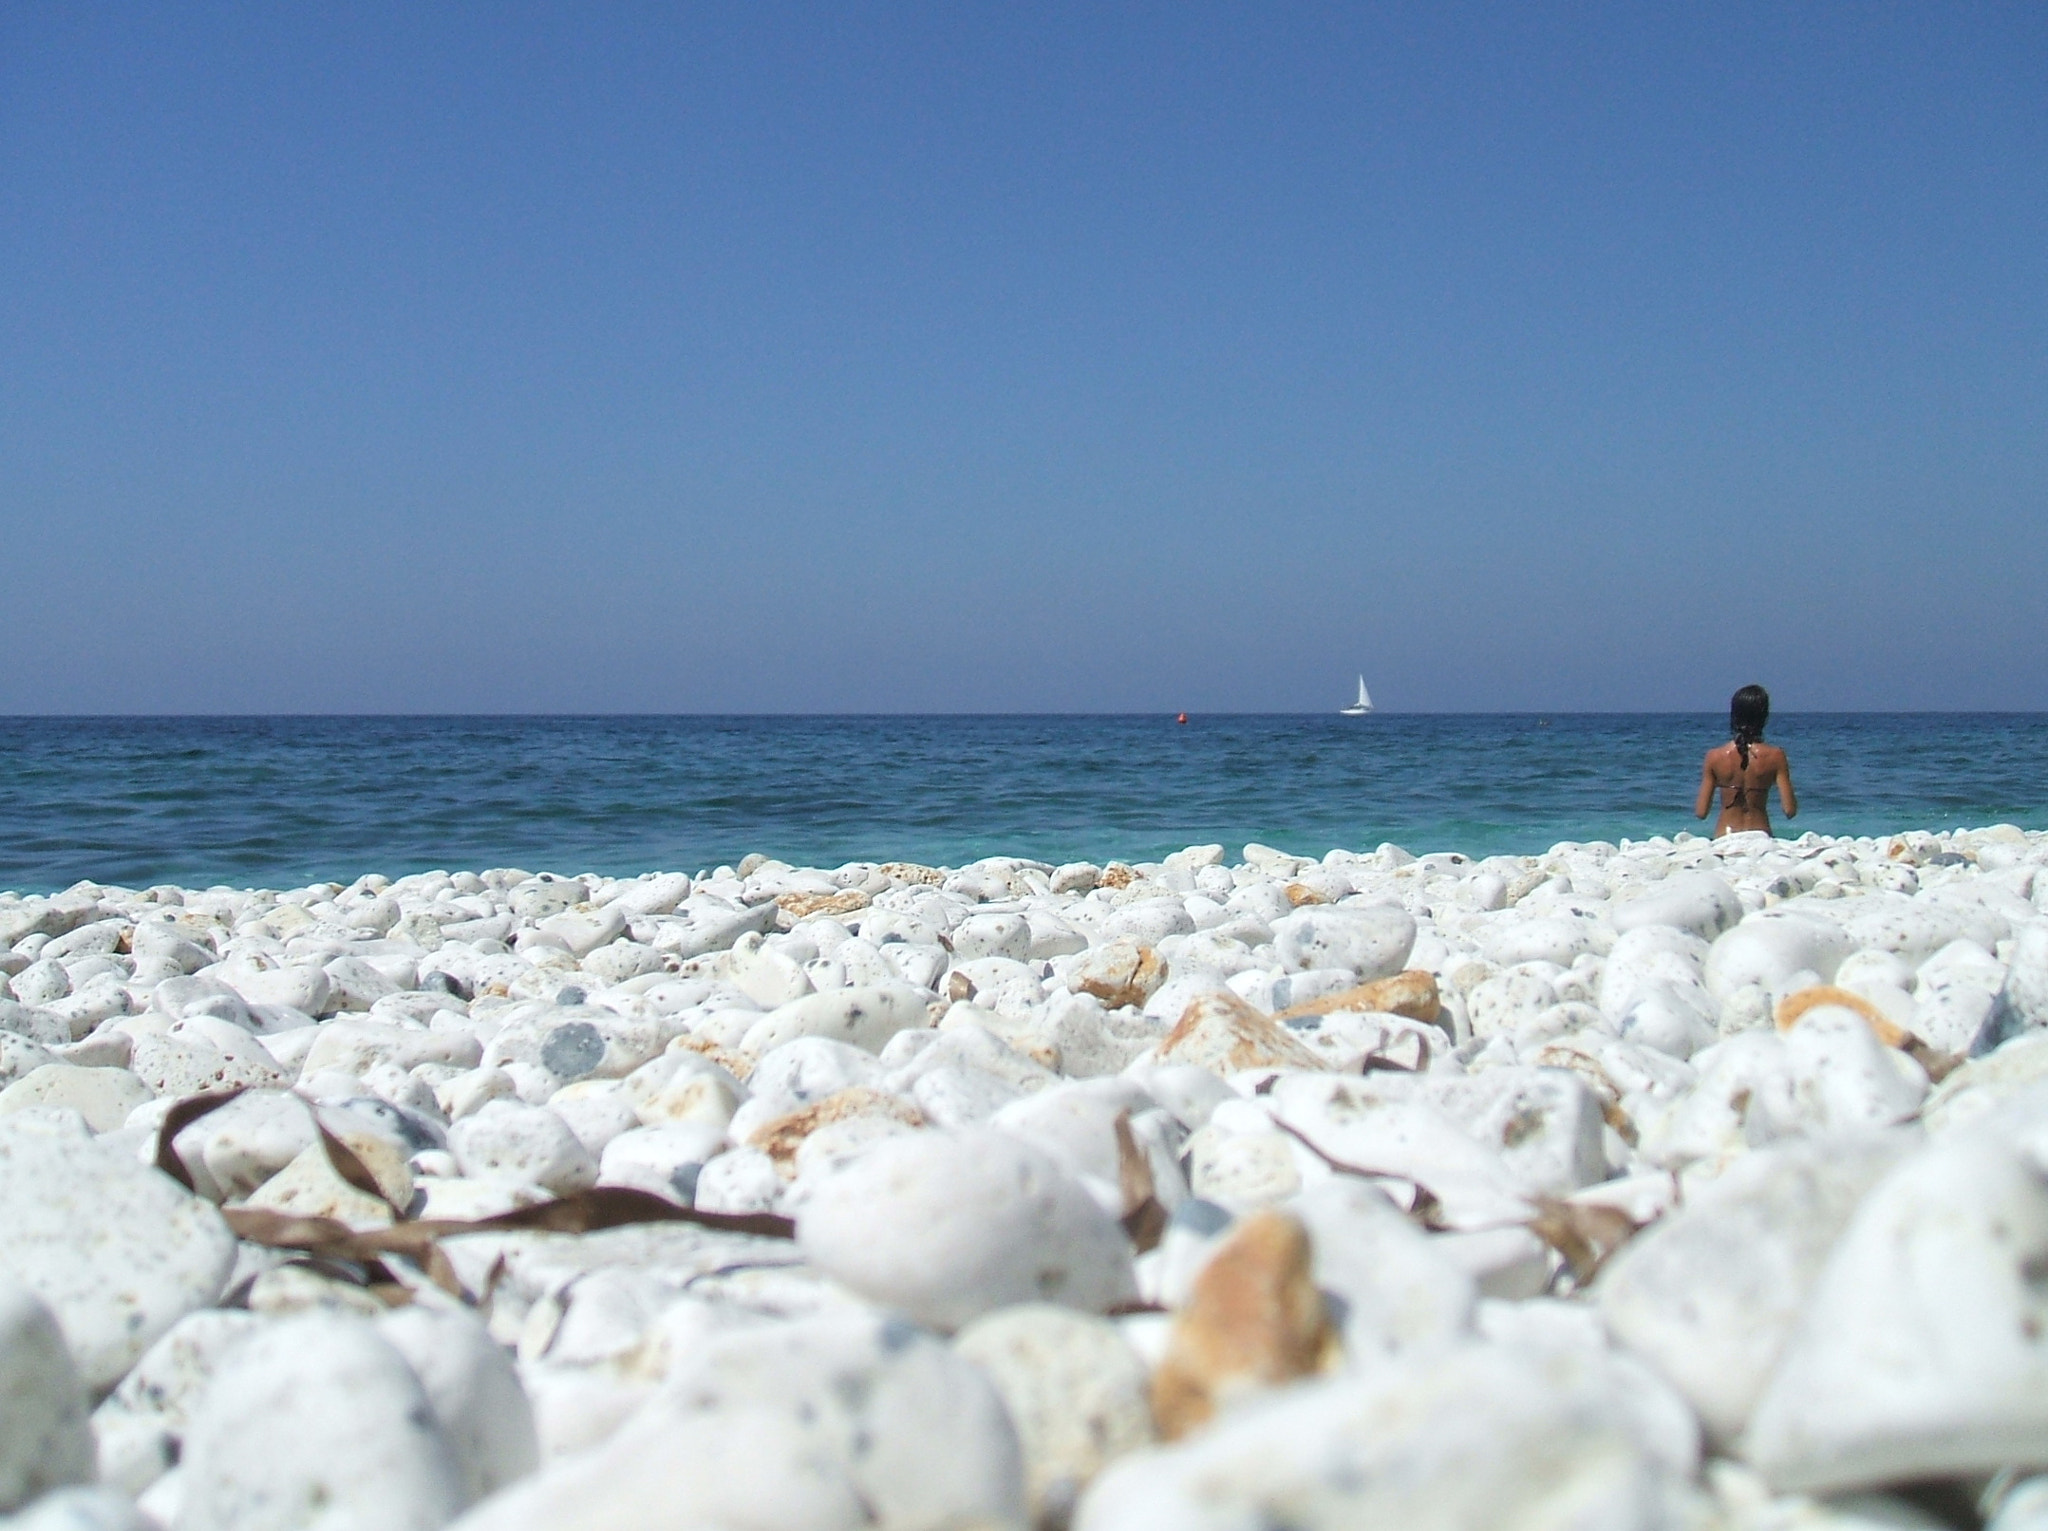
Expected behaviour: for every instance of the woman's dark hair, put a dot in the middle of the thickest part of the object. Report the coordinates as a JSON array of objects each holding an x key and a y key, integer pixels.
[{"x": 1748, "y": 710}]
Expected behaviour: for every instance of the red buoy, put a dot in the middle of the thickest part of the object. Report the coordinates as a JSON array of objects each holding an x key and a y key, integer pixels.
[{"x": 1183, "y": 717}]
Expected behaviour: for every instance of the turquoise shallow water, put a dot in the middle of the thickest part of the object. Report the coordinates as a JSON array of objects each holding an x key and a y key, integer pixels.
[{"x": 281, "y": 801}]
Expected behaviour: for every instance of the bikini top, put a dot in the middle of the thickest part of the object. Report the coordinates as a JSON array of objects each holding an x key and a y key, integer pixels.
[{"x": 1739, "y": 791}]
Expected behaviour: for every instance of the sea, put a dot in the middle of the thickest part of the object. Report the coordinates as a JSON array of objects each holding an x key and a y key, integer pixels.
[{"x": 280, "y": 802}]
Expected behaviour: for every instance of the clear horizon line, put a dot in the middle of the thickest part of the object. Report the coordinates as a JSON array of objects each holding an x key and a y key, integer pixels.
[{"x": 1166, "y": 712}]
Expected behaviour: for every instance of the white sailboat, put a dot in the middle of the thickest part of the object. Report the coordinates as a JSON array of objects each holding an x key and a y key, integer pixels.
[{"x": 1362, "y": 706}]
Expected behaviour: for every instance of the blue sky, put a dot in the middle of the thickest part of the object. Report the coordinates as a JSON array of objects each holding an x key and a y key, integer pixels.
[{"x": 990, "y": 358}]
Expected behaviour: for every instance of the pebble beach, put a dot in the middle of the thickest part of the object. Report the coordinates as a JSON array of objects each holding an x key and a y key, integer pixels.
[{"x": 1669, "y": 1183}]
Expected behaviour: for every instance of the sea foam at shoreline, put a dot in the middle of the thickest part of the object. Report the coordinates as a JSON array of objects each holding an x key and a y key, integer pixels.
[{"x": 1682, "y": 1183}]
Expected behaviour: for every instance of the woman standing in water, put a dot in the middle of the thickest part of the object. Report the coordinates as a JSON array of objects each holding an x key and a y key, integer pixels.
[{"x": 1744, "y": 769}]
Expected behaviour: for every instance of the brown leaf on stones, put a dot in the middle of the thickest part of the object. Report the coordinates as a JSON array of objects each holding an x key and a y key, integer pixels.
[
  {"x": 1585, "y": 1235},
  {"x": 1222, "y": 1033},
  {"x": 1144, "y": 1219},
  {"x": 1411, "y": 993},
  {"x": 1253, "y": 1319},
  {"x": 419, "y": 1241},
  {"x": 585, "y": 1212},
  {"x": 780, "y": 1137}
]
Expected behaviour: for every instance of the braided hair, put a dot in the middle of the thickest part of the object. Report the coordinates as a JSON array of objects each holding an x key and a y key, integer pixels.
[{"x": 1748, "y": 710}]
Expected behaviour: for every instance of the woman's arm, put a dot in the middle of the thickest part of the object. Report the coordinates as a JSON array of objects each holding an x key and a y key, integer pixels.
[
  {"x": 1705, "y": 802},
  {"x": 1785, "y": 793}
]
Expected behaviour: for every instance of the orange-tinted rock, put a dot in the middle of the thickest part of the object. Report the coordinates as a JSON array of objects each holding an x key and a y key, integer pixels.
[
  {"x": 1793, "y": 1006},
  {"x": 1223, "y": 1034},
  {"x": 1411, "y": 993},
  {"x": 1938, "y": 1064},
  {"x": 1299, "y": 894},
  {"x": 801, "y": 906},
  {"x": 1122, "y": 972},
  {"x": 1117, "y": 875},
  {"x": 780, "y": 1138},
  {"x": 1254, "y": 1319},
  {"x": 735, "y": 1063}
]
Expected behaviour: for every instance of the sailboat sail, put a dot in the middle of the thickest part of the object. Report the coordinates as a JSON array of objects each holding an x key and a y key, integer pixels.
[{"x": 1362, "y": 706}]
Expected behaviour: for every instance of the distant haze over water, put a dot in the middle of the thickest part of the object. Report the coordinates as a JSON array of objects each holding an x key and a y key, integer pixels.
[{"x": 281, "y": 801}]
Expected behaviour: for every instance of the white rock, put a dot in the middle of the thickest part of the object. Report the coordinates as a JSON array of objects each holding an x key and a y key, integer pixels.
[
  {"x": 527, "y": 1144},
  {"x": 2022, "y": 1003},
  {"x": 301, "y": 986},
  {"x": 231, "y": 1151},
  {"x": 953, "y": 1096},
  {"x": 1701, "y": 903},
  {"x": 141, "y": 1425},
  {"x": 597, "y": 1111},
  {"x": 843, "y": 1423},
  {"x": 1478, "y": 1437},
  {"x": 948, "y": 1225},
  {"x": 20, "y": 1057},
  {"x": 105, "y": 1097},
  {"x": 1075, "y": 1123},
  {"x": 812, "y": 1067},
  {"x": 1529, "y": 937},
  {"x": 666, "y": 1160},
  {"x": 1767, "y": 949},
  {"x": 864, "y": 1017},
  {"x": 177, "y": 1066},
  {"x": 765, "y": 974},
  {"x": 44, "y": 1440},
  {"x": 41, "y": 982},
  {"x": 479, "y": 1407},
  {"x": 355, "y": 983},
  {"x": 81, "y": 1509},
  {"x": 317, "y": 1421},
  {"x": 1398, "y": 1293},
  {"x": 1372, "y": 942},
  {"x": 1924, "y": 1349},
  {"x": 1375, "y": 1128},
  {"x": 1709, "y": 1293},
  {"x": 1076, "y": 1392},
  {"x": 118, "y": 1251},
  {"x": 739, "y": 1180},
  {"x": 992, "y": 935}
]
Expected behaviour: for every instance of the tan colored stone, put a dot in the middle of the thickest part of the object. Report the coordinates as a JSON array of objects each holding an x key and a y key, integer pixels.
[
  {"x": 735, "y": 1063},
  {"x": 1299, "y": 894},
  {"x": 1223, "y": 1034},
  {"x": 1117, "y": 875},
  {"x": 781, "y": 1137},
  {"x": 1254, "y": 1319},
  {"x": 792, "y": 907},
  {"x": 1411, "y": 993},
  {"x": 1122, "y": 972}
]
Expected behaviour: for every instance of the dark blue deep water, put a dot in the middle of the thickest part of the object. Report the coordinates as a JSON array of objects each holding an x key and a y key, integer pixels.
[{"x": 283, "y": 801}]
